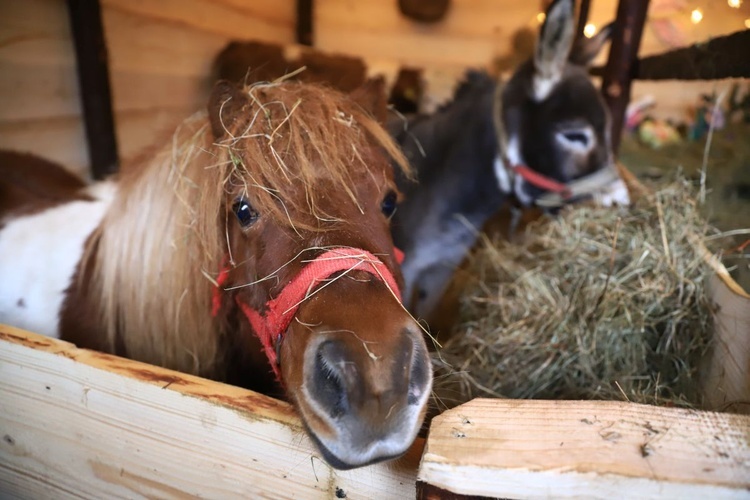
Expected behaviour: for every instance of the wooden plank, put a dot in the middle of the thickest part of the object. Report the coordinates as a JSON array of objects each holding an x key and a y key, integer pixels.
[
  {"x": 591, "y": 449},
  {"x": 85, "y": 424},
  {"x": 471, "y": 34},
  {"x": 268, "y": 20},
  {"x": 146, "y": 45},
  {"x": 38, "y": 91},
  {"x": 727, "y": 380}
]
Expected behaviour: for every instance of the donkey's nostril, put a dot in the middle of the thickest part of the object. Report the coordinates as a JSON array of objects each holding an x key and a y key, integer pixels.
[{"x": 578, "y": 137}]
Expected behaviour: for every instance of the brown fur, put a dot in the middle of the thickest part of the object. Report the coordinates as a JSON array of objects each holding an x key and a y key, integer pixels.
[{"x": 30, "y": 184}]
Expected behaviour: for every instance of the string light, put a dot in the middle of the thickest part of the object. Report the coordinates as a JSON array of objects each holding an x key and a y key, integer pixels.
[
  {"x": 589, "y": 30},
  {"x": 735, "y": 4},
  {"x": 540, "y": 17},
  {"x": 696, "y": 16}
]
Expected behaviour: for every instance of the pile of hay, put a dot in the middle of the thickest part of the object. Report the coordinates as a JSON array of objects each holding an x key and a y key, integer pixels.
[{"x": 596, "y": 303}]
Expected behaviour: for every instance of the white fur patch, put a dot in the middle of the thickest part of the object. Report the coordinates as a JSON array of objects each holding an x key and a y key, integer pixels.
[
  {"x": 38, "y": 257},
  {"x": 543, "y": 86},
  {"x": 503, "y": 176},
  {"x": 503, "y": 172}
]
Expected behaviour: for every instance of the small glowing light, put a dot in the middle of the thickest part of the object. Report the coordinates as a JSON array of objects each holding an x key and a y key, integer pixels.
[
  {"x": 696, "y": 16},
  {"x": 589, "y": 30},
  {"x": 540, "y": 17},
  {"x": 735, "y": 4},
  {"x": 747, "y": 23}
]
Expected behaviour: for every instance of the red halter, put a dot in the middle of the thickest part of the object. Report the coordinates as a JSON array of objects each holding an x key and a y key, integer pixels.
[
  {"x": 542, "y": 181},
  {"x": 279, "y": 311}
]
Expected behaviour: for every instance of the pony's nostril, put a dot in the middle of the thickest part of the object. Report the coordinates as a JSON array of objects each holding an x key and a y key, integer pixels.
[
  {"x": 419, "y": 376},
  {"x": 329, "y": 380}
]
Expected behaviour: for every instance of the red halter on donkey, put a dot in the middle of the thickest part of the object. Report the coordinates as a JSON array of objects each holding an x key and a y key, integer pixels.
[{"x": 268, "y": 217}]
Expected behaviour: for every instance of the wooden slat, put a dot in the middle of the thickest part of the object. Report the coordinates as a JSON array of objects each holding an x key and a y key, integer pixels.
[
  {"x": 84, "y": 424},
  {"x": 578, "y": 449},
  {"x": 269, "y": 20},
  {"x": 470, "y": 35}
]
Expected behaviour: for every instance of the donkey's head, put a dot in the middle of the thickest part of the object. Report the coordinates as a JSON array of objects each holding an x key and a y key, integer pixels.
[
  {"x": 312, "y": 280},
  {"x": 553, "y": 119}
]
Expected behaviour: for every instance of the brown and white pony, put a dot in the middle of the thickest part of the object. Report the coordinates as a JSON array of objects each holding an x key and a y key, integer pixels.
[{"x": 259, "y": 233}]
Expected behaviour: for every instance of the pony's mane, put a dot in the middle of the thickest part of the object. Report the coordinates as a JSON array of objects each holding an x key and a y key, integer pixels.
[{"x": 164, "y": 238}]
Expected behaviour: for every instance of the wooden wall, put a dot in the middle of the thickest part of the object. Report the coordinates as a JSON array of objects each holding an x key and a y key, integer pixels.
[
  {"x": 160, "y": 56},
  {"x": 476, "y": 32}
]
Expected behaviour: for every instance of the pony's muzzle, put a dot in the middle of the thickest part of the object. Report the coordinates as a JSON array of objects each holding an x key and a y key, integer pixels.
[{"x": 371, "y": 395}]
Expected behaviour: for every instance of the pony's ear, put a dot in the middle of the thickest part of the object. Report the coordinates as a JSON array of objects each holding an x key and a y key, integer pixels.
[
  {"x": 224, "y": 106},
  {"x": 553, "y": 47},
  {"x": 371, "y": 96},
  {"x": 585, "y": 49}
]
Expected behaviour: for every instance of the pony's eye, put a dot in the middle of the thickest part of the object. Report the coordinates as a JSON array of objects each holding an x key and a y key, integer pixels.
[
  {"x": 245, "y": 213},
  {"x": 388, "y": 205}
]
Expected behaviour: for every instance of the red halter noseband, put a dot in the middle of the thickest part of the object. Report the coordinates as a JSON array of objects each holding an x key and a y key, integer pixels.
[
  {"x": 279, "y": 311},
  {"x": 542, "y": 181}
]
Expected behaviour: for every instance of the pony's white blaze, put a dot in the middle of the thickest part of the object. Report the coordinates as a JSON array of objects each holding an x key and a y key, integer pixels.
[{"x": 39, "y": 254}]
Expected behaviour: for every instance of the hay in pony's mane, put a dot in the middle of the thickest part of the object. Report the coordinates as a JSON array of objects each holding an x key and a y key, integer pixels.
[{"x": 163, "y": 237}]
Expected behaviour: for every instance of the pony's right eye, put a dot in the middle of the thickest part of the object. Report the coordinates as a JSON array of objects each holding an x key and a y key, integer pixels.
[{"x": 245, "y": 212}]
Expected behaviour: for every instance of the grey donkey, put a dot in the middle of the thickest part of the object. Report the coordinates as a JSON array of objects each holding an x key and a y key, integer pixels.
[{"x": 542, "y": 137}]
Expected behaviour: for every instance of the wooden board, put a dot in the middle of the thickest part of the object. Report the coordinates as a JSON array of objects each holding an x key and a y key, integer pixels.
[
  {"x": 564, "y": 449},
  {"x": 77, "y": 423}
]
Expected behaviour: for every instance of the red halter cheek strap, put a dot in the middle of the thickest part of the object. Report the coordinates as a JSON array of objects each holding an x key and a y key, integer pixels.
[{"x": 270, "y": 325}]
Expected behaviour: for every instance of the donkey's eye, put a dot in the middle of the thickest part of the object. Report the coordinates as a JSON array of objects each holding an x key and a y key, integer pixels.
[
  {"x": 388, "y": 205},
  {"x": 245, "y": 213}
]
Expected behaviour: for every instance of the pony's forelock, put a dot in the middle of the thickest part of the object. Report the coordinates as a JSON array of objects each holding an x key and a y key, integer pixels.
[{"x": 306, "y": 137}]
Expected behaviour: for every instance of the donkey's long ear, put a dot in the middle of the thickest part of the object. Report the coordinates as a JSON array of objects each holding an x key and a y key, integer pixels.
[
  {"x": 372, "y": 98},
  {"x": 224, "y": 106},
  {"x": 585, "y": 49},
  {"x": 553, "y": 47}
]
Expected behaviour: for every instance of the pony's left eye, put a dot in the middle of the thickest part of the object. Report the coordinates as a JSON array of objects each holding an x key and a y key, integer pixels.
[
  {"x": 245, "y": 213},
  {"x": 388, "y": 205}
]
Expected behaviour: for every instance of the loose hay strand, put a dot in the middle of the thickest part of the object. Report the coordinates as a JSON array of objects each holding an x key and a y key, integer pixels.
[{"x": 575, "y": 313}]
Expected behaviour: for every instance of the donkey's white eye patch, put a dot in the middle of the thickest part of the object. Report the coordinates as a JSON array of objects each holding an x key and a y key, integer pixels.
[{"x": 576, "y": 140}]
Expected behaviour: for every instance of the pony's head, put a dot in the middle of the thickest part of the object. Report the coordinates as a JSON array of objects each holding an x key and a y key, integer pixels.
[
  {"x": 305, "y": 196},
  {"x": 261, "y": 234},
  {"x": 551, "y": 117}
]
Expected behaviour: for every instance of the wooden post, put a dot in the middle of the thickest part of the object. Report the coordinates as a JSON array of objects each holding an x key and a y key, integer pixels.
[
  {"x": 618, "y": 74},
  {"x": 93, "y": 83},
  {"x": 583, "y": 17},
  {"x": 305, "y": 22}
]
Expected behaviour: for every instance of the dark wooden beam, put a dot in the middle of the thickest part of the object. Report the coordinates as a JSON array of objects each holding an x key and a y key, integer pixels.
[
  {"x": 623, "y": 54},
  {"x": 93, "y": 84},
  {"x": 721, "y": 57},
  {"x": 305, "y": 22},
  {"x": 583, "y": 17}
]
